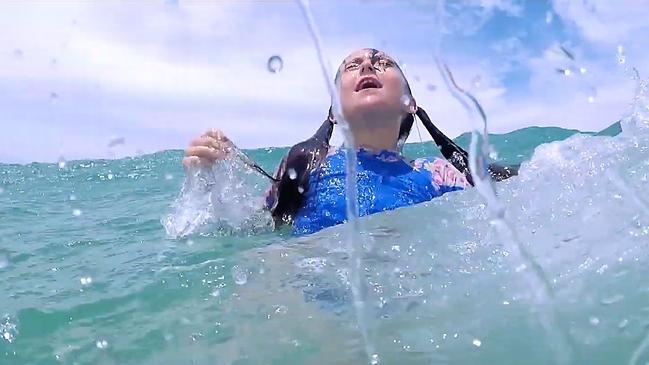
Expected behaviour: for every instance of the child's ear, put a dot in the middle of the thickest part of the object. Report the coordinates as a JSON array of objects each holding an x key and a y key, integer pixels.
[
  {"x": 411, "y": 107},
  {"x": 331, "y": 117}
]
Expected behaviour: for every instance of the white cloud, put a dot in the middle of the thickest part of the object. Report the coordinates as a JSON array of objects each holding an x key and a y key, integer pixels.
[
  {"x": 511, "y": 7},
  {"x": 604, "y": 20},
  {"x": 158, "y": 74},
  {"x": 113, "y": 81}
]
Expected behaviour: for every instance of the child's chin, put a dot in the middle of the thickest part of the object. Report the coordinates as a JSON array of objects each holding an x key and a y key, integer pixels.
[{"x": 372, "y": 104}]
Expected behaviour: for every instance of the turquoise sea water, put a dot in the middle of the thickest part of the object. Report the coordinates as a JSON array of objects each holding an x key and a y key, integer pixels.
[{"x": 89, "y": 275}]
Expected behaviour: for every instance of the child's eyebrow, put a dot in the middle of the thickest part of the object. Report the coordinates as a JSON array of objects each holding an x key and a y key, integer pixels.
[{"x": 355, "y": 59}]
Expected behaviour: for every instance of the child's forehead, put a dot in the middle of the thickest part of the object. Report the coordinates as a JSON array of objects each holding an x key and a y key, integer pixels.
[{"x": 365, "y": 53}]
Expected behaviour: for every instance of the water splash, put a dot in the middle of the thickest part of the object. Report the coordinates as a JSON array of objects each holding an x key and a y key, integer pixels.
[
  {"x": 532, "y": 271},
  {"x": 101, "y": 344},
  {"x": 275, "y": 64},
  {"x": 239, "y": 275},
  {"x": 223, "y": 197},
  {"x": 637, "y": 120},
  {"x": 8, "y": 329},
  {"x": 577, "y": 73},
  {"x": 354, "y": 248}
]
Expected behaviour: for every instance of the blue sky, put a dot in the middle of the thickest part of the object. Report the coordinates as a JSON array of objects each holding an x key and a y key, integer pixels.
[{"x": 76, "y": 74}]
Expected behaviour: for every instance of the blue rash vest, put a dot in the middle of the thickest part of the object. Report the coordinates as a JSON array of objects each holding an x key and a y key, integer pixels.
[{"x": 385, "y": 181}]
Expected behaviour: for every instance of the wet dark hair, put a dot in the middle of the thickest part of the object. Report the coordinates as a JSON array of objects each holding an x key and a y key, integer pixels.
[{"x": 291, "y": 179}]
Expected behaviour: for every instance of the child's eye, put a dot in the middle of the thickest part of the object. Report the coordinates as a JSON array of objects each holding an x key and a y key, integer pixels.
[{"x": 351, "y": 66}]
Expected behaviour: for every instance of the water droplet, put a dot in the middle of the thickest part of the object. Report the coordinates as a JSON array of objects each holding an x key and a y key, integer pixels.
[
  {"x": 4, "y": 260},
  {"x": 292, "y": 174},
  {"x": 281, "y": 309},
  {"x": 395, "y": 248},
  {"x": 62, "y": 162},
  {"x": 375, "y": 359},
  {"x": 101, "y": 344},
  {"x": 505, "y": 302},
  {"x": 623, "y": 323},
  {"x": 73, "y": 197},
  {"x": 521, "y": 267},
  {"x": 406, "y": 100},
  {"x": 87, "y": 280},
  {"x": 275, "y": 64},
  {"x": 239, "y": 275},
  {"x": 54, "y": 96},
  {"x": 548, "y": 17},
  {"x": 477, "y": 81},
  {"x": 594, "y": 321},
  {"x": 476, "y": 342},
  {"x": 591, "y": 99},
  {"x": 431, "y": 87},
  {"x": 76, "y": 212},
  {"x": 582, "y": 70},
  {"x": 169, "y": 177},
  {"x": 621, "y": 57},
  {"x": 115, "y": 141},
  {"x": 18, "y": 53},
  {"x": 215, "y": 293},
  {"x": 110, "y": 176},
  {"x": 300, "y": 190}
]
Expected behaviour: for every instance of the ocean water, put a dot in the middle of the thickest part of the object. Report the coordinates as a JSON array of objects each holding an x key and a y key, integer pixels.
[{"x": 97, "y": 265}]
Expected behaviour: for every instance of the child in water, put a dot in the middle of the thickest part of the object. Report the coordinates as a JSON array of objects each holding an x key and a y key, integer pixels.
[{"x": 308, "y": 190}]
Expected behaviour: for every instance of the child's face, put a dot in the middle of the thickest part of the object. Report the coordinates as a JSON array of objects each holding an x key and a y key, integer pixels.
[{"x": 371, "y": 88}]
